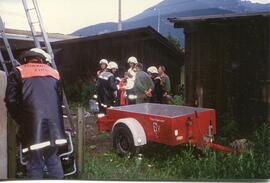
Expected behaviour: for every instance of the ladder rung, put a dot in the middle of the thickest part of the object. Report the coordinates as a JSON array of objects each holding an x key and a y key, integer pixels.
[
  {"x": 38, "y": 35},
  {"x": 5, "y": 61},
  {"x": 37, "y": 22},
  {"x": 29, "y": 9}
]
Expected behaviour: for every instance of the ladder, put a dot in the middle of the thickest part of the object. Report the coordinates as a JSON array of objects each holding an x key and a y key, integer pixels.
[
  {"x": 40, "y": 37},
  {"x": 9, "y": 51}
]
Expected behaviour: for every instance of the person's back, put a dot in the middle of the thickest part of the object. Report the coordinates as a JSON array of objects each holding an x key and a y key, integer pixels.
[
  {"x": 40, "y": 106},
  {"x": 33, "y": 98},
  {"x": 143, "y": 85}
]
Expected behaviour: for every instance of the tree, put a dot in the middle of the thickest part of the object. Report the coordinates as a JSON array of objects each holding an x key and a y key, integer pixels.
[{"x": 174, "y": 41}]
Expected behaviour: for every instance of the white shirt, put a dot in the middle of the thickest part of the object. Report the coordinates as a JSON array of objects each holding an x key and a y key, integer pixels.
[{"x": 131, "y": 78}]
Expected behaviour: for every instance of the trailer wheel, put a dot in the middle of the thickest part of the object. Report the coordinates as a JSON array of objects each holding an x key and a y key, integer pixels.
[{"x": 123, "y": 140}]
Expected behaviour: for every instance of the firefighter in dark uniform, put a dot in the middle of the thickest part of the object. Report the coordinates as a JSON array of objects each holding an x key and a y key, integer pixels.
[
  {"x": 103, "y": 66},
  {"x": 34, "y": 100},
  {"x": 157, "y": 91},
  {"x": 107, "y": 86}
]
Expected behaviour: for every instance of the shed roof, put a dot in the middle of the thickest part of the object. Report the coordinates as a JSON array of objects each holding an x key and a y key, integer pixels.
[
  {"x": 149, "y": 31},
  {"x": 180, "y": 22},
  {"x": 21, "y": 39},
  {"x": 27, "y": 35}
]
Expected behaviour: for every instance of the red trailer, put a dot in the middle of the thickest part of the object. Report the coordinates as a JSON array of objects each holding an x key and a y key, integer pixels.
[{"x": 134, "y": 125}]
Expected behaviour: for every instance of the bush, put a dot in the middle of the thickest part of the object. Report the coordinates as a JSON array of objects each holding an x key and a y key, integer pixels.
[
  {"x": 87, "y": 92},
  {"x": 80, "y": 93},
  {"x": 262, "y": 149},
  {"x": 178, "y": 100}
]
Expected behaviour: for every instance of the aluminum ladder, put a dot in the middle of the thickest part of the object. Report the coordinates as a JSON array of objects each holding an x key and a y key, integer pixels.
[
  {"x": 9, "y": 51},
  {"x": 40, "y": 37}
]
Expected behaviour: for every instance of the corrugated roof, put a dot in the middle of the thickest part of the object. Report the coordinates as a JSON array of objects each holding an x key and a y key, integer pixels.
[{"x": 182, "y": 21}]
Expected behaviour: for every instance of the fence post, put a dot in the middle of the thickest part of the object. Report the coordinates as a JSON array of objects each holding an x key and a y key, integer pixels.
[
  {"x": 12, "y": 148},
  {"x": 80, "y": 141},
  {"x": 3, "y": 127}
]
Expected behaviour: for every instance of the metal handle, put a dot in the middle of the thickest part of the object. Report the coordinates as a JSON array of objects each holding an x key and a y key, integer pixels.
[
  {"x": 71, "y": 145},
  {"x": 69, "y": 153},
  {"x": 21, "y": 156}
]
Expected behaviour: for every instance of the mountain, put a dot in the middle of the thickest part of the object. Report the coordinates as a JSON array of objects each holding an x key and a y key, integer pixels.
[
  {"x": 175, "y": 8},
  {"x": 171, "y": 6}
]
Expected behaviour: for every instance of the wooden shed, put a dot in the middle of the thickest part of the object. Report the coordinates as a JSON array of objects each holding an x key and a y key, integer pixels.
[
  {"x": 78, "y": 59},
  {"x": 227, "y": 62}
]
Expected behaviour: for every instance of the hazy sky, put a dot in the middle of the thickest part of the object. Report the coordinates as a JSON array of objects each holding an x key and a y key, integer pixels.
[{"x": 67, "y": 16}]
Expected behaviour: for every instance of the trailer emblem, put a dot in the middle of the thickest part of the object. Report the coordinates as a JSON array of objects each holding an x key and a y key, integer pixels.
[{"x": 156, "y": 128}]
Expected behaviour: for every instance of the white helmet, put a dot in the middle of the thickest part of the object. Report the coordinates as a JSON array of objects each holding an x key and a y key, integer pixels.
[
  {"x": 103, "y": 61},
  {"x": 152, "y": 70},
  {"x": 45, "y": 54},
  {"x": 132, "y": 60},
  {"x": 112, "y": 65}
]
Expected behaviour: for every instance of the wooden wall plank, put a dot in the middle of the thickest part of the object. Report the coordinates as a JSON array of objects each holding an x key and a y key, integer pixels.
[{"x": 3, "y": 127}]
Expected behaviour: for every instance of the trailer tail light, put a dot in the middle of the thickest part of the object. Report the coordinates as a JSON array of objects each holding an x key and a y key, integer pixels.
[
  {"x": 179, "y": 138},
  {"x": 210, "y": 129},
  {"x": 100, "y": 115}
]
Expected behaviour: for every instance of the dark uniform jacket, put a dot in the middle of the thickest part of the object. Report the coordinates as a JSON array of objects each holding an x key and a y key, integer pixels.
[
  {"x": 106, "y": 86},
  {"x": 33, "y": 98},
  {"x": 157, "y": 91}
]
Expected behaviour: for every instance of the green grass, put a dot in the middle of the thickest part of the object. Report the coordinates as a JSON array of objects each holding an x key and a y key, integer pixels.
[
  {"x": 188, "y": 163},
  {"x": 103, "y": 135},
  {"x": 160, "y": 162}
]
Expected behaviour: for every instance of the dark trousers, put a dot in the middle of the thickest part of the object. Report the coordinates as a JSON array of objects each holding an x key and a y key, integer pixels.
[{"x": 38, "y": 159}]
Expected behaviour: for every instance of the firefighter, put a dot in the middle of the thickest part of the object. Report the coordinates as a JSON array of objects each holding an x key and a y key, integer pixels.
[
  {"x": 34, "y": 99},
  {"x": 157, "y": 91},
  {"x": 103, "y": 66},
  {"x": 143, "y": 85},
  {"x": 132, "y": 61},
  {"x": 48, "y": 58},
  {"x": 107, "y": 86},
  {"x": 166, "y": 84}
]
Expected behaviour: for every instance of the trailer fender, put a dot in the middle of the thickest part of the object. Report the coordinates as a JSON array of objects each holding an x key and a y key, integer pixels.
[{"x": 136, "y": 129}]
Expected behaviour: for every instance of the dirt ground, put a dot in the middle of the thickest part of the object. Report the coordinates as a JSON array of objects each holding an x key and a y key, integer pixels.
[{"x": 96, "y": 142}]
